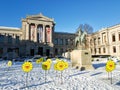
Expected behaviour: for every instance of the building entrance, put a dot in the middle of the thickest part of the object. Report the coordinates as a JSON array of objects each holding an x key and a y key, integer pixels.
[
  {"x": 47, "y": 52},
  {"x": 31, "y": 52},
  {"x": 40, "y": 51}
]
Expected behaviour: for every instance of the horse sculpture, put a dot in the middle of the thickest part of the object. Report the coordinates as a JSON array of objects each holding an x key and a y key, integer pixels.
[{"x": 80, "y": 39}]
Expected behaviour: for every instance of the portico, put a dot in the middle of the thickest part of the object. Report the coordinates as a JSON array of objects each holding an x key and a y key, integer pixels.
[{"x": 38, "y": 30}]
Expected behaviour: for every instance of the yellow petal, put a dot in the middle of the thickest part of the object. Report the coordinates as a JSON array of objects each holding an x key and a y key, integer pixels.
[
  {"x": 110, "y": 66},
  {"x": 46, "y": 65},
  {"x": 60, "y": 65},
  {"x": 9, "y": 63},
  {"x": 27, "y": 66}
]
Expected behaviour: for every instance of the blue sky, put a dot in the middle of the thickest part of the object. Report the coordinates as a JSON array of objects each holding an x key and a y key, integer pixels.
[{"x": 68, "y": 14}]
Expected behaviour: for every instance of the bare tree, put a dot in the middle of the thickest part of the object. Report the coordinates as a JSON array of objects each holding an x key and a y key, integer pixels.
[{"x": 86, "y": 27}]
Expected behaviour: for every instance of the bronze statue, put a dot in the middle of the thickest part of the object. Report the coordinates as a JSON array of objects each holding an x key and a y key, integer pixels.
[{"x": 80, "y": 39}]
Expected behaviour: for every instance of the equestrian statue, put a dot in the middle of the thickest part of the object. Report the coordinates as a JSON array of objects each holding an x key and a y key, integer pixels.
[{"x": 80, "y": 39}]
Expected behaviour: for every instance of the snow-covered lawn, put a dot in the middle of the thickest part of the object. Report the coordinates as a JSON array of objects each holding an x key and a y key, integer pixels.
[{"x": 15, "y": 79}]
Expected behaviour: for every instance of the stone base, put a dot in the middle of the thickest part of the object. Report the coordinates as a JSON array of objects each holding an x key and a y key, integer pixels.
[
  {"x": 81, "y": 59},
  {"x": 84, "y": 67}
]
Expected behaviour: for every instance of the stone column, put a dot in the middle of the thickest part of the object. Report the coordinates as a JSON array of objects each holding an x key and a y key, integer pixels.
[
  {"x": 27, "y": 31},
  {"x": 43, "y": 33},
  {"x": 35, "y": 34},
  {"x": 51, "y": 34}
]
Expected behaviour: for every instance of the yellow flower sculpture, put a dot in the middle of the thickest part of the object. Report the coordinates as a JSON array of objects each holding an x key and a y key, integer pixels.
[
  {"x": 110, "y": 66},
  {"x": 49, "y": 61},
  {"x": 55, "y": 66},
  {"x": 57, "y": 60},
  {"x": 60, "y": 65},
  {"x": 107, "y": 69},
  {"x": 66, "y": 64},
  {"x": 39, "y": 60},
  {"x": 9, "y": 63},
  {"x": 27, "y": 66},
  {"x": 46, "y": 65}
]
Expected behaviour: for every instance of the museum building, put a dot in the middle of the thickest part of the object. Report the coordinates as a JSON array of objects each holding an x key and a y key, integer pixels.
[
  {"x": 37, "y": 36},
  {"x": 105, "y": 42}
]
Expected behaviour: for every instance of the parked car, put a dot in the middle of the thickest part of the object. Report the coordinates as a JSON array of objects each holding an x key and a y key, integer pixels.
[
  {"x": 33, "y": 59},
  {"x": 62, "y": 58},
  {"x": 114, "y": 59}
]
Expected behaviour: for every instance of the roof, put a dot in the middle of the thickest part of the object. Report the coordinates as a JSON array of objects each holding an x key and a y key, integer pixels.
[
  {"x": 12, "y": 28},
  {"x": 63, "y": 33},
  {"x": 39, "y": 17}
]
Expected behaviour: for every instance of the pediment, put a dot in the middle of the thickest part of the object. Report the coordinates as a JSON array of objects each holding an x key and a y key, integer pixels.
[{"x": 39, "y": 17}]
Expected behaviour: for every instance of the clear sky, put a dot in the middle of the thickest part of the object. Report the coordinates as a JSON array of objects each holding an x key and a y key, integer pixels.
[{"x": 68, "y": 14}]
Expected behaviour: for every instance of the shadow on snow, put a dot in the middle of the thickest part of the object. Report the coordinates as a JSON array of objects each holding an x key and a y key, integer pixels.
[
  {"x": 98, "y": 65},
  {"x": 35, "y": 85},
  {"x": 77, "y": 74}
]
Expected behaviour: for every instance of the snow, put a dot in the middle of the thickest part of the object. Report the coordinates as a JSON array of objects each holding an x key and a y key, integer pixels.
[{"x": 14, "y": 78}]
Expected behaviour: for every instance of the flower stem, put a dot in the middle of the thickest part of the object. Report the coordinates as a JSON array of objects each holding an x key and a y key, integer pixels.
[
  {"x": 45, "y": 76},
  {"x": 111, "y": 77},
  {"x": 26, "y": 80},
  {"x": 61, "y": 78}
]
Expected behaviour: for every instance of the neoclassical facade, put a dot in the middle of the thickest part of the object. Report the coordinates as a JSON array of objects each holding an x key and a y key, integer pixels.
[
  {"x": 37, "y": 36},
  {"x": 105, "y": 42}
]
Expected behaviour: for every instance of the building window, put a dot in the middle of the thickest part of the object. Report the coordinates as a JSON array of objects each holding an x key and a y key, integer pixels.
[
  {"x": 66, "y": 41},
  {"x": 119, "y": 36},
  {"x": 95, "y": 41},
  {"x": 9, "y": 39},
  {"x": 1, "y": 51},
  {"x": 1, "y": 38},
  {"x": 90, "y": 41},
  {"x": 9, "y": 50},
  {"x": 99, "y": 40},
  {"x": 113, "y": 37},
  {"x": 104, "y": 51},
  {"x": 104, "y": 38},
  {"x": 95, "y": 50},
  {"x": 99, "y": 50},
  {"x": 91, "y": 50},
  {"x": 61, "y": 51},
  {"x": 71, "y": 40},
  {"x": 17, "y": 39},
  {"x": 61, "y": 42},
  {"x": 56, "y": 51},
  {"x": 114, "y": 49},
  {"x": 56, "y": 41}
]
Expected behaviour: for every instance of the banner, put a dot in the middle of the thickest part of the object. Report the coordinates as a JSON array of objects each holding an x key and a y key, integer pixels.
[
  {"x": 48, "y": 33},
  {"x": 40, "y": 31},
  {"x": 32, "y": 32}
]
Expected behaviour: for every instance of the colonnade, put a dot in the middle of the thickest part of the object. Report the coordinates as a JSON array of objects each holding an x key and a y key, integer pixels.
[{"x": 39, "y": 33}]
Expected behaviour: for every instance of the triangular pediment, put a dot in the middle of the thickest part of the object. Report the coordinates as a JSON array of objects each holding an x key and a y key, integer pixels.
[{"x": 39, "y": 17}]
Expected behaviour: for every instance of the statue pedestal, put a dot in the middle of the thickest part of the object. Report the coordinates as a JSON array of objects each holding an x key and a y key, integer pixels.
[{"x": 81, "y": 59}]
